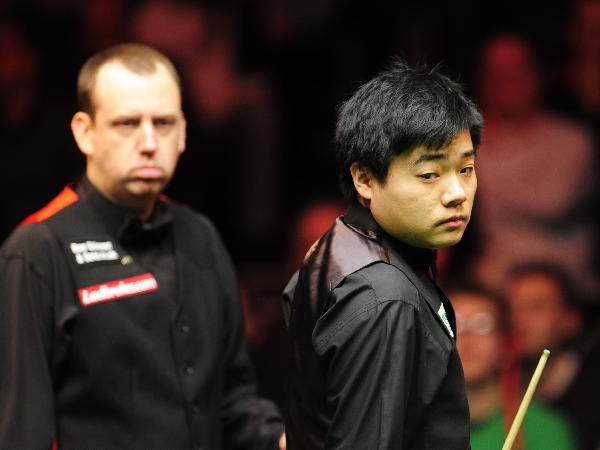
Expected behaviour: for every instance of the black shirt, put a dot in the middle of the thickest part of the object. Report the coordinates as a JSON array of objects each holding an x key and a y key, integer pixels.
[
  {"x": 118, "y": 334},
  {"x": 374, "y": 361}
]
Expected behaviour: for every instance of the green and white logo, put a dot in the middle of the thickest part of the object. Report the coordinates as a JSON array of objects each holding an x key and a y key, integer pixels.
[{"x": 444, "y": 317}]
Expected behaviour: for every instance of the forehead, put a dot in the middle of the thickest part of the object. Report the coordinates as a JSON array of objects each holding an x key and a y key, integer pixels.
[
  {"x": 117, "y": 89},
  {"x": 459, "y": 147},
  {"x": 470, "y": 303},
  {"x": 535, "y": 284}
]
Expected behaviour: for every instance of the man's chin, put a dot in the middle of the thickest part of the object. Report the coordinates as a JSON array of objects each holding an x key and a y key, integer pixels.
[
  {"x": 432, "y": 243},
  {"x": 146, "y": 187},
  {"x": 450, "y": 239}
]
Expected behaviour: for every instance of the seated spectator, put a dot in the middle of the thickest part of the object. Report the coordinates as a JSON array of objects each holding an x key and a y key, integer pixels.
[
  {"x": 535, "y": 172},
  {"x": 543, "y": 314},
  {"x": 480, "y": 324}
]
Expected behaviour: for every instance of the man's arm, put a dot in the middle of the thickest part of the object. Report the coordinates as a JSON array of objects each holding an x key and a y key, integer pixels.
[
  {"x": 26, "y": 398},
  {"x": 369, "y": 348},
  {"x": 248, "y": 421}
]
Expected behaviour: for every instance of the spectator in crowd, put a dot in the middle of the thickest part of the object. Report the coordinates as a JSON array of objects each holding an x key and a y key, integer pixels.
[
  {"x": 544, "y": 314},
  {"x": 481, "y": 331},
  {"x": 536, "y": 174}
]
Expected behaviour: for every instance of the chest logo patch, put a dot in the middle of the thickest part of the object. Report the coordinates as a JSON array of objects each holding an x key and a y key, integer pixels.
[
  {"x": 444, "y": 317},
  {"x": 116, "y": 289},
  {"x": 93, "y": 251}
]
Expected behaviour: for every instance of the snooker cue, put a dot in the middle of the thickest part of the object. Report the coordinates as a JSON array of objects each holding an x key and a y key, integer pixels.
[{"x": 514, "y": 428}]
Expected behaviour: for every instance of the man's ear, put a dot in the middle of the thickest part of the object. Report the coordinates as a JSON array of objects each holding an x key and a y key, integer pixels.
[
  {"x": 82, "y": 128},
  {"x": 363, "y": 181}
]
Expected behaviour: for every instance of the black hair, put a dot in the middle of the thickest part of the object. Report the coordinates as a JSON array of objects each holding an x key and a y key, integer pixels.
[
  {"x": 552, "y": 271},
  {"x": 401, "y": 108}
]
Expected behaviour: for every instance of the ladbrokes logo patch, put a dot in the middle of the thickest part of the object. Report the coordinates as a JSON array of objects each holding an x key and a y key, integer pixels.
[
  {"x": 93, "y": 251},
  {"x": 116, "y": 289}
]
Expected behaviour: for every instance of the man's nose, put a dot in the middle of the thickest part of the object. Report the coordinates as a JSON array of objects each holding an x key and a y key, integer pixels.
[
  {"x": 148, "y": 141},
  {"x": 454, "y": 193}
]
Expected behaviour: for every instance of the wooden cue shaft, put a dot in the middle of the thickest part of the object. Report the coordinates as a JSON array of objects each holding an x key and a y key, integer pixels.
[{"x": 514, "y": 428}]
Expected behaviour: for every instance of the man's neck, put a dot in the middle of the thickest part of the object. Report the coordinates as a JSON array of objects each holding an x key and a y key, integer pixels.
[
  {"x": 484, "y": 398},
  {"x": 140, "y": 207}
]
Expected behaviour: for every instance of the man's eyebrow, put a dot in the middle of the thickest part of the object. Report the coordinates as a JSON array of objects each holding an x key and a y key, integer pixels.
[
  {"x": 433, "y": 156},
  {"x": 125, "y": 117},
  {"x": 425, "y": 157}
]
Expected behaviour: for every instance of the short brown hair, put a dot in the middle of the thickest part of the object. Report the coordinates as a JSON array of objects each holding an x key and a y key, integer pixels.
[{"x": 137, "y": 58}]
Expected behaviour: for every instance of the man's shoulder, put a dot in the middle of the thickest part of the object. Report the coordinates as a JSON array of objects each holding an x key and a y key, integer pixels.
[
  {"x": 31, "y": 241},
  {"x": 385, "y": 281},
  {"x": 557, "y": 430},
  {"x": 540, "y": 414},
  {"x": 56, "y": 207},
  {"x": 340, "y": 252},
  {"x": 35, "y": 235},
  {"x": 378, "y": 292}
]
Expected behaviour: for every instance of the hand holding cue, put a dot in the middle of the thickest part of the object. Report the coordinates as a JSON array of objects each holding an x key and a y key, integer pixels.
[{"x": 514, "y": 428}]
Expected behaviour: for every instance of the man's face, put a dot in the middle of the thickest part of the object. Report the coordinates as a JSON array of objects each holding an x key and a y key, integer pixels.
[
  {"x": 538, "y": 312},
  {"x": 427, "y": 197},
  {"x": 137, "y": 133},
  {"x": 509, "y": 80},
  {"x": 479, "y": 339}
]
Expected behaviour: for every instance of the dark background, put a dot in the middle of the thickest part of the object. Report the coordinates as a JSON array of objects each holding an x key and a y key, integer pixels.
[{"x": 308, "y": 56}]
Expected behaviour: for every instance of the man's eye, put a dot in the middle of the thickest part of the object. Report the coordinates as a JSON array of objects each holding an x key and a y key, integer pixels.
[
  {"x": 127, "y": 123},
  {"x": 164, "y": 122},
  {"x": 467, "y": 170},
  {"x": 429, "y": 176}
]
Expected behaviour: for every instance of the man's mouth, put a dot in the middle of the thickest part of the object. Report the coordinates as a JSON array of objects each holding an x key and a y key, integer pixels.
[
  {"x": 147, "y": 173},
  {"x": 454, "y": 221}
]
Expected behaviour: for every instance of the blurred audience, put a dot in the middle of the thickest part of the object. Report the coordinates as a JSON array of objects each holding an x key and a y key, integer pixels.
[
  {"x": 261, "y": 299},
  {"x": 536, "y": 174},
  {"x": 37, "y": 156},
  {"x": 481, "y": 331},
  {"x": 544, "y": 313},
  {"x": 576, "y": 82},
  {"x": 310, "y": 225},
  {"x": 577, "y": 90},
  {"x": 102, "y": 24},
  {"x": 232, "y": 130},
  {"x": 262, "y": 80}
]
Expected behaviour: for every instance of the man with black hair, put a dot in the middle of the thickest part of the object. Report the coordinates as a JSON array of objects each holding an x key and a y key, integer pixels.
[{"x": 373, "y": 354}]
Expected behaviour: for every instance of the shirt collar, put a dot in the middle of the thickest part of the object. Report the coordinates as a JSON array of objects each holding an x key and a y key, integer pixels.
[
  {"x": 122, "y": 223},
  {"x": 360, "y": 218}
]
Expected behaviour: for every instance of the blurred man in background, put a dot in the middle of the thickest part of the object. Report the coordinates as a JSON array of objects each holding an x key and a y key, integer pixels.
[
  {"x": 481, "y": 328},
  {"x": 120, "y": 323},
  {"x": 537, "y": 176},
  {"x": 544, "y": 313}
]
